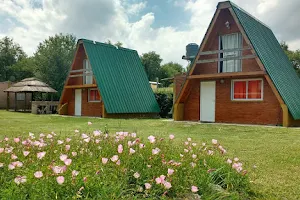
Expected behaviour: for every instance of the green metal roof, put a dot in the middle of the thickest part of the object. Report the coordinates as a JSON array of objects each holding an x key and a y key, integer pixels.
[
  {"x": 274, "y": 59},
  {"x": 121, "y": 79}
]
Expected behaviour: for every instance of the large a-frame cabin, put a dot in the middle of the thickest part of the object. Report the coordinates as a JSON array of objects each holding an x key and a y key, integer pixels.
[
  {"x": 107, "y": 81},
  {"x": 239, "y": 75}
]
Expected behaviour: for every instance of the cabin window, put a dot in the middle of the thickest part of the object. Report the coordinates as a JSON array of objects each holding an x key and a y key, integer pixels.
[
  {"x": 88, "y": 77},
  {"x": 227, "y": 42},
  {"x": 251, "y": 89},
  {"x": 94, "y": 95}
]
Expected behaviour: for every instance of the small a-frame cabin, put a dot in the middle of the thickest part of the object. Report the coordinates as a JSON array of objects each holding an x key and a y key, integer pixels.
[
  {"x": 239, "y": 75},
  {"x": 107, "y": 81}
]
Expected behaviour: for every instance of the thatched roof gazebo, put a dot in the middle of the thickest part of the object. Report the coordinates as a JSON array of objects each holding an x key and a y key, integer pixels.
[{"x": 28, "y": 85}]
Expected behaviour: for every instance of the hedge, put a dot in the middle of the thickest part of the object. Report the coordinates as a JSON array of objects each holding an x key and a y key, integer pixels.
[{"x": 165, "y": 102}]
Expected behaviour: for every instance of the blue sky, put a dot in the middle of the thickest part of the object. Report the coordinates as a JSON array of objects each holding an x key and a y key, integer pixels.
[{"x": 164, "y": 26}]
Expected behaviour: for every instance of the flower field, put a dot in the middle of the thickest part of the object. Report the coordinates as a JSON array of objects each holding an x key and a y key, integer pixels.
[{"x": 120, "y": 165}]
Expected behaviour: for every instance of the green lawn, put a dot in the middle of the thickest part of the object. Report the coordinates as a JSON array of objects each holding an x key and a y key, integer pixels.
[{"x": 275, "y": 151}]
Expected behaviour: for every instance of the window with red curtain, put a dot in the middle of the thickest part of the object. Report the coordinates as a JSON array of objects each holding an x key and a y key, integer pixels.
[
  {"x": 94, "y": 95},
  {"x": 247, "y": 89}
]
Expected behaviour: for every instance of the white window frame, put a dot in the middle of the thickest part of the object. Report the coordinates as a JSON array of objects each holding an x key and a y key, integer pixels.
[
  {"x": 87, "y": 73},
  {"x": 247, "y": 80},
  {"x": 89, "y": 95},
  {"x": 240, "y": 52}
]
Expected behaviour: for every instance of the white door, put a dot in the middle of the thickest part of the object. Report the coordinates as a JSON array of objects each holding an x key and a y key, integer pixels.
[
  {"x": 207, "y": 101},
  {"x": 78, "y": 102}
]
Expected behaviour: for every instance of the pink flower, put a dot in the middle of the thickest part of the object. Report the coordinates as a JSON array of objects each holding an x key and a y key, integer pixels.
[
  {"x": 87, "y": 140},
  {"x": 193, "y": 165},
  {"x": 236, "y": 159},
  {"x": 59, "y": 170},
  {"x": 1, "y": 150},
  {"x": 59, "y": 142},
  {"x": 11, "y": 166},
  {"x": 186, "y": 143},
  {"x": 194, "y": 189},
  {"x": 210, "y": 152},
  {"x": 136, "y": 175},
  {"x": 104, "y": 160},
  {"x": 40, "y": 155},
  {"x": 167, "y": 185},
  {"x": 68, "y": 147},
  {"x": 90, "y": 123},
  {"x": 25, "y": 153},
  {"x": 16, "y": 140},
  {"x": 68, "y": 162},
  {"x": 194, "y": 144},
  {"x": 60, "y": 180},
  {"x": 133, "y": 135},
  {"x": 74, "y": 153},
  {"x": 85, "y": 179},
  {"x": 68, "y": 140},
  {"x": 189, "y": 139},
  {"x": 97, "y": 133},
  {"x": 181, "y": 155},
  {"x": 171, "y": 137},
  {"x": 6, "y": 139},
  {"x": 151, "y": 139},
  {"x": 131, "y": 151},
  {"x": 115, "y": 158},
  {"x": 147, "y": 186},
  {"x": 118, "y": 162},
  {"x": 75, "y": 173},
  {"x": 17, "y": 164},
  {"x": 158, "y": 180},
  {"x": 129, "y": 143},
  {"x": 120, "y": 148},
  {"x": 38, "y": 174},
  {"x": 20, "y": 179},
  {"x": 186, "y": 151},
  {"x": 194, "y": 156},
  {"x": 97, "y": 141},
  {"x": 49, "y": 136},
  {"x": 213, "y": 141},
  {"x": 229, "y": 161},
  {"x": 76, "y": 131},
  {"x": 63, "y": 157},
  {"x": 155, "y": 151},
  {"x": 13, "y": 156},
  {"x": 170, "y": 171}
]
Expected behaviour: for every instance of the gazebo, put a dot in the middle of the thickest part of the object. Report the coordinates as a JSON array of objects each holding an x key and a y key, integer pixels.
[{"x": 30, "y": 86}]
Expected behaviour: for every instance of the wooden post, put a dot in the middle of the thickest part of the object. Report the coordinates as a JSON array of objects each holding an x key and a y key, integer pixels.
[
  {"x": 15, "y": 101},
  {"x": 178, "y": 111},
  {"x": 25, "y": 102},
  {"x": 7, "y": 101}
]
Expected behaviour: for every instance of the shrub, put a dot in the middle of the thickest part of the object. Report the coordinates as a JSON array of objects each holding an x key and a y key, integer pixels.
[
  {"x": 164, "y": 99},
  {"x": 119, "y": 166}
]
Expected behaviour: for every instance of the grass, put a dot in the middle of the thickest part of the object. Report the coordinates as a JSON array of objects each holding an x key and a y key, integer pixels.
[{"x": 274, "y": 150}]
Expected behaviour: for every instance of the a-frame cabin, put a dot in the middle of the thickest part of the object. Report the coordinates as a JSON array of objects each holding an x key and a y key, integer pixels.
[
  {"x": 239, "y": 75},
  {"x": 107, "y": 81}
]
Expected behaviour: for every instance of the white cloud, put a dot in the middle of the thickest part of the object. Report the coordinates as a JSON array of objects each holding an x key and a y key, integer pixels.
[{"x": 105, "y": 19}]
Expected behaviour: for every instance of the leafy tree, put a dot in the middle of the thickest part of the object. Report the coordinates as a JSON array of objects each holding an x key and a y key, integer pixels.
[
  {"x": 10, "y": 53},
  {"x": 53, "y": 59},
  {"x": 294, "y": 56},
  {"x": 168, "y": 70},
  {"x": 151, "y": 62},
  {"x": 24, "y": 68},
  {"x": 118, "y": 44}
]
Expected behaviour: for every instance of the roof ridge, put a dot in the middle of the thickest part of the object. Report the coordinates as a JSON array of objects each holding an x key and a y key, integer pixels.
[
  {"x": 247, "y": 13},
  {"x": 105, "y": 44}
]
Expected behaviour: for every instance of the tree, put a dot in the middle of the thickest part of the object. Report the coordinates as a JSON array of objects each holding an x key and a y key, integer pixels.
[
  {"x": 294, "y": 56},
  {"x": 10, "y": 53},
  {"x": 53, "y": 59},
  {"x": 24, "y": 68},
  {"x": 169, "y": 70},
  {"x": 151, "y": 62},
  {"x": 118, "y": 44}
]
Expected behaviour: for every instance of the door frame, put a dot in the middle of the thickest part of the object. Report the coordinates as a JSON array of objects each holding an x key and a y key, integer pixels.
[{"x": 201, "y": 102}]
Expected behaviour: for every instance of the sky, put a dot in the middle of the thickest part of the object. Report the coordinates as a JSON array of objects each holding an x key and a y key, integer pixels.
[{"x": 163, "y": 26}]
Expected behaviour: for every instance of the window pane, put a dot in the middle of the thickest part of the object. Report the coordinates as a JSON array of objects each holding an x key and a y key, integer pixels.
[
  {"x": 254, "y": 89},
  {"x": 239, "y": 90},
  {"x": 97, "y": 95},
  {"x": 92, "y": 95}
]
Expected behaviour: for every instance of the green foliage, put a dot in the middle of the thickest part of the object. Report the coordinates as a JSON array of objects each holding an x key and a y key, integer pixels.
[
  {"x": 10, "y": 53},
  {"x": 117, "y": 44},
  {"x": 25, "y": 68},
  {"x": 169, "y": 70},
  {"x": 151, "y": 61},
  {"x": 193, "y": 163},
  {"x": 294, "y": 56},
  {"x": 53, "y": 59},
  {"x": 164, "y": 99}
]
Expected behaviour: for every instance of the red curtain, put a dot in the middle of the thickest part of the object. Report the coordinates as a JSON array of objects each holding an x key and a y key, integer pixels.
[
  {"x": 239, "y": 90},
  {"x": 254, "y": 89}
]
